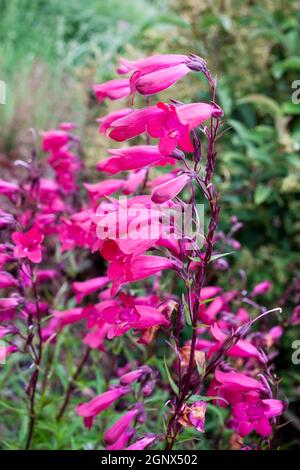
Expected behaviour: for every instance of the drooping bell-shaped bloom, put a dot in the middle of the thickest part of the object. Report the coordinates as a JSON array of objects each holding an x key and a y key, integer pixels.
[
  {"x": 143, "y": 443},
  {"x": 253, "y": 414},
  {"x": 170, "y": 189},
  {"x": 105, "y": 121},
  {"x": 113, "y": 89},
  {"x": 82, "y": 289},
  {"x": 261, "y": 288},
  {"x": 120, "y": 426},
  {"x": 98, "y": 404},
  {"x": 134, "y": 181},
  {"x": 28, "y": 244},
  {"x": 133, "y": 158}
]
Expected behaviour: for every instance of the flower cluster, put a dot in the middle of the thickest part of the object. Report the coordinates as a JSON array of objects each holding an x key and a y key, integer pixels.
[{"x": 129, "y": 219}]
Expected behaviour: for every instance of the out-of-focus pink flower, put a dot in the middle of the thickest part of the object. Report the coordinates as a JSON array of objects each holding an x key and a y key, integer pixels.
[
  {"x": 143, "y": 443},
  {"x": 171, "y": 124},
  {"x": 8, "y": 189},
  {"x": 113, "y": 89},
  {"x": 134, "y": 375},
  {"x": 54, "y": 139},
  {"x": 67, "y": 126},
  {"x": 104, "y": 188},
  {"x": 253, "y": 414},
  {"x": 96, "y": 337},
  {"x": 82, "y": 289},
  {"x": 261, "y": 288},
  {"x": 117, "y": 429},
  {"x": 5, "y": 351},
  {"x": 67, "y": 317},
  {"x": 134, "y": 180},
  {"x": 28, "y": 244},
  {"x": 170, "y": 189},
  {"x": 44, "y": 275},
  {"x": 122, "y": 441},
  {"x": 105, "y": 121},
  {"x": 98, "y": 404},
  {"x": 6, "y": 220},
  {"x": 7, "y": 280},
  {"x": 273, "y": 336},
  {"x": 133, "y": 158},
  {"x": 295, "y": 320}
]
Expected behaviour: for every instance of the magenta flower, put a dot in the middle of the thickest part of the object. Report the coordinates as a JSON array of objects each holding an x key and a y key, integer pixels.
[
  {"x": 7, "y": 280},
  {"x": 82, "y": 289},
  {"x": 8, "y": 189},
  {"x": 105, "y": 121},
  {"x": 54, "y": 139},
  {"x": 155, "y": 62},
  {"x": 143, "y": 443},
  {"x": 28, "y": 244},
  {"x": 122, "y": 441},
  {"x": 113, "y": 89},
  {"x": 134, "y": 375},
  {"x": 168, "y": 190},
  {"x": 171, "y": 124},
  {"x": 104, "y": 188},
  {"x": 98, "y": 404},
  {"x": 133, "y": 158},
  {"x": 149, "y": 83},
  {"x": 261, "y": 288},
  {"x": 254, "y": 414},
  {"x": 120, "y": 426}
]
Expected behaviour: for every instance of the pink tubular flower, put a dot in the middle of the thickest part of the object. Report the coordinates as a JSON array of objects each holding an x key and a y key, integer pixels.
[
  {"x": 7, "y": 280},
  {"x": 149, "y": 83},
  {"x": 140, "y": 267},
  {"x": 241, "y": 348},
  {"x": 28, "y": 244},
  {"x": 122, "y": 441},
  {"x": 104, "y": 188},
  {"x": 98, "y": 404},
  {"x": 133, "y": 158},
  {"x": 68, "y": 317},
  {"x": 134, "y": 375},
  {"x": 171, "y": 124},
  {"x": 254, "y": 413},
  {"x": 155, "y": 62},
  {"x": 105, "y": 121},
  {"x": 141, "y": 444},
  {"x": 238, "y": 381},
  {"x": 113, "y": 89},
  {"x": 117, "y": 429},
  {"x": 82, "y": 289},
  {"x": 166, "y": 191},
  {"x": 8, "y": 189},
  {"x": 261, "y": 288}
]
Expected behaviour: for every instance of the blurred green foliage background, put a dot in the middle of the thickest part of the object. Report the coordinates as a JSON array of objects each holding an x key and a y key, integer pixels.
[{"x": 52, "y": 51}]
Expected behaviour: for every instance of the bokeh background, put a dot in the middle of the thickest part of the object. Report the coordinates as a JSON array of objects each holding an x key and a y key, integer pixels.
[{"x": 51, "y": 51}]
